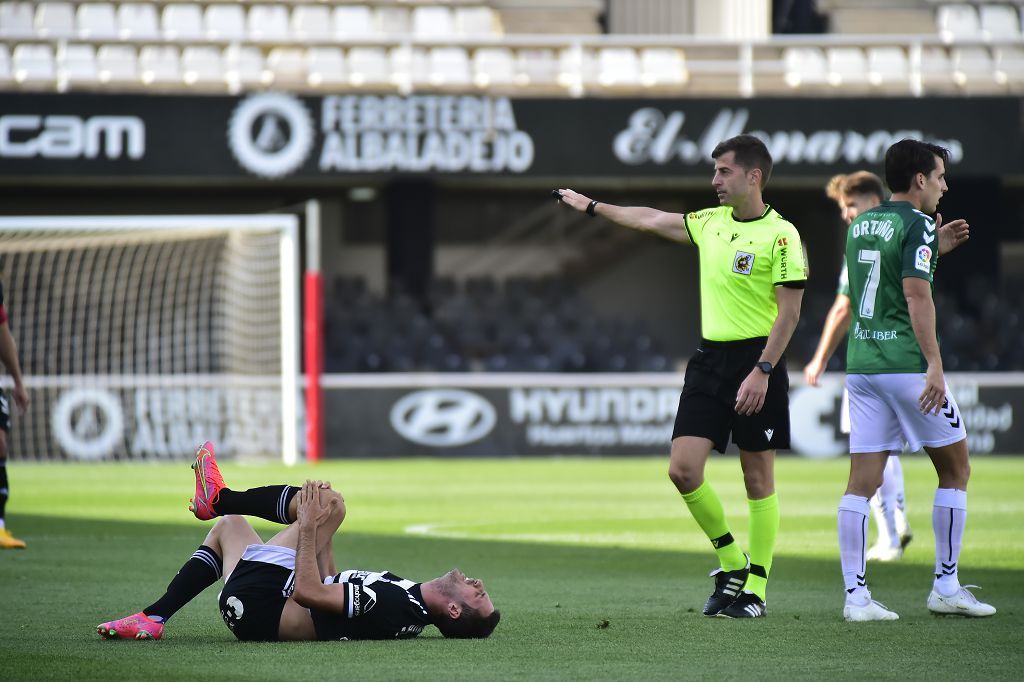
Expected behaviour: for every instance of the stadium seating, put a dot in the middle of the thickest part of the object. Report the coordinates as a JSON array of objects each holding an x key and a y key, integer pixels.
[
  {"x": 137, "y": 21},
  {"x": 311, "y": 23},
  {"x": 805, "y": 66},
  {"x": 78, "y": 65},
  {"x": 999, "y": 21},
  {"x": 521, "y": 324},
  {"x": 34, "y": 64},
  {"x": 202, "y": 65},
  {"x": 224, "y": 22},
  {"x": 958, "y": 22},
  {"x": 494, "y": 66},
  {"x": 326, "y": 66},
  {"x": 663, "y": 66},
  {"x": 887, "y": 66},
  {"x": 353, "y": 21},
  {"x": 368, "y": 65},
  {"x": 268, "y": 23},
  {"x": 182, "y": 22},
  {"x": 847, "y": 65},
  {"x": 432, "y": 21},
  {"x": 245, "y": 68},
  {"x": 618, "y": 66},
  {"x": 17, "y": 20},
  {"x": 160, "y": 65},
  {"x": 97, "y": 21},
  {"x": 459, "y": 45},
  {"x": 55, "y": 20},
  {"x": 449, "y": 66},
  {"x": 1009, "y": 64},
  {"x": 117, "y": 64}
]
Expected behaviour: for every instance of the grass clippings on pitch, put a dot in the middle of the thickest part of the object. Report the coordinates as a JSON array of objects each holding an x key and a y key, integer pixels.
[{"x": 596, "y": 566}]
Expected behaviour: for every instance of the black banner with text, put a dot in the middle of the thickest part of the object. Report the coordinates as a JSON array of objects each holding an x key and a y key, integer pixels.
[{"x": 277, "y": 136}]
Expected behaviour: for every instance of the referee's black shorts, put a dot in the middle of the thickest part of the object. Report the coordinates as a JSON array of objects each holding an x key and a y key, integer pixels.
[{"x": 707, "y": 406}]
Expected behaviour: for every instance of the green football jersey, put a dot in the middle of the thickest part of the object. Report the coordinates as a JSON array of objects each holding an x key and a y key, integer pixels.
[
  {"x": 741, "y": 263},
  {"x": 884, "y": 245}
]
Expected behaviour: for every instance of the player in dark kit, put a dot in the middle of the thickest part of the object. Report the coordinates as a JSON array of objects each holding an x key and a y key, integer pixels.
[
  {"x": 289, "y": 588},
  {"x": 752, "y": 274},
  {"x": 9, "y": 358}
]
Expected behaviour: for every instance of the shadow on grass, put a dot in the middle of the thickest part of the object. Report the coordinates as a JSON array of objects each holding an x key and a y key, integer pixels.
[{"x": 570, "y": 612}]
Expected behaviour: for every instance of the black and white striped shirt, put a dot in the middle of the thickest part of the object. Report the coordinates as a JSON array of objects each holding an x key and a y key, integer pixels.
[{"x": 377, "y": 605}]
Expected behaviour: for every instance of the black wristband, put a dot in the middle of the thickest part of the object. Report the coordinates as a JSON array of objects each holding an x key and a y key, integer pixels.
[{"x": 591, "y": 206}]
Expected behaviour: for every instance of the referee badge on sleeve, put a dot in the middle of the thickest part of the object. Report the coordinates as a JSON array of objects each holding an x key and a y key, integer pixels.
[{"x": 743, "y": 263}]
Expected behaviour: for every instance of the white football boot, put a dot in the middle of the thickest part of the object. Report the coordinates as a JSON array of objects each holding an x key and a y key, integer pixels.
[
  {"x": 868, "y": 610},
  {"x": 963, "y": 603}
]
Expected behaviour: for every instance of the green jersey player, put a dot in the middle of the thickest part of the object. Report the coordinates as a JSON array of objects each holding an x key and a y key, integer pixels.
[
  {"x": 898, "y": 393},
  {"x": 857, "y": 193}
]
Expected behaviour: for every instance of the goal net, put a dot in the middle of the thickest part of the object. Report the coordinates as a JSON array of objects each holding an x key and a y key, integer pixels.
[{"x": 142, "y": 336}]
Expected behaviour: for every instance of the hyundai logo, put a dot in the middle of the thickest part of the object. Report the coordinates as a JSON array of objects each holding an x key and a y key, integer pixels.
[{"x": 443, "y": 417}]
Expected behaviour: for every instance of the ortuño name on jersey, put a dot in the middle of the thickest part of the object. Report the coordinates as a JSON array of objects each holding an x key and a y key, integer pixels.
[{"x": 872, "y": 228}]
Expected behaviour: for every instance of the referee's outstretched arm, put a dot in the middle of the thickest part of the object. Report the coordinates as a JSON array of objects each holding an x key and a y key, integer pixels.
[{"x": 668, "y": 225}]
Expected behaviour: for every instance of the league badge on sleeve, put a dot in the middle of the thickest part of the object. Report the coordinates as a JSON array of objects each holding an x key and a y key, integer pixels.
[{"x": 923, "y": 259}]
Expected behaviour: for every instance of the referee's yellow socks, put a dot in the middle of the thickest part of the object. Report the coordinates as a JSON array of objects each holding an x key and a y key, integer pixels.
[
  {"x": 710, "y": 516},
  {"x": 764, "y": 528}
]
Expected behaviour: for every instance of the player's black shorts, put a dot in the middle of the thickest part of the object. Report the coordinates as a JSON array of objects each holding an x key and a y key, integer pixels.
[
  {"x": 5, "y": 413},
  {"x": 707, "y": 406},
  {"x": 255, "y": 592}
]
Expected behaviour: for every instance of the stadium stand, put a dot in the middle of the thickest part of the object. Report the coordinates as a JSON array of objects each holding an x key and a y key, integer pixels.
[
  {"x": 519, "y": 324},
  {"x": 501, "y": 46}
]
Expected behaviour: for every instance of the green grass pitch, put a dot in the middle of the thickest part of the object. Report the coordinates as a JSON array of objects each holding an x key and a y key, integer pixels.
[{"x": 595, "y": 563}]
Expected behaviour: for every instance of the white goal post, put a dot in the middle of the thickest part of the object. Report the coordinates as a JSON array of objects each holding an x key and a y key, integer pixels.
[{"x": 141, "y": 336}]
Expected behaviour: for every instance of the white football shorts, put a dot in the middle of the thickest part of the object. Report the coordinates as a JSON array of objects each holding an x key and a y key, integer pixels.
[
  {"x": 844, "y": 412},
  {"x": 885, "y": 415}
]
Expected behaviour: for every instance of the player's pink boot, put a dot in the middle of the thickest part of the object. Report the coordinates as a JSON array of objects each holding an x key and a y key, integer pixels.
[
  {"x": 209, "y": 483},
  {"x": 136, "y": 626}
]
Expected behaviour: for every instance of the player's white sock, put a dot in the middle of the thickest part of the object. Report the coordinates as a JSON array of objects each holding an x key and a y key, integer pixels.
[
  {"x": 853, "y": 536},
  {"x": 885, "y": 521},
  {"x": 949, "y": 516},
  {"x": 894, "y": 474},
  {"x": 886, "y": 514}
]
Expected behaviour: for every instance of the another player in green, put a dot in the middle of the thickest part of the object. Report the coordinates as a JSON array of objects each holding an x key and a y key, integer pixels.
[
  {"x": 898, "y": 393},
  {"x": 752, "y": 275}
]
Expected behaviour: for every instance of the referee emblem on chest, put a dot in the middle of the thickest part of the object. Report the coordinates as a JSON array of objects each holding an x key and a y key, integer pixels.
[{"x": 743, "y": 263}]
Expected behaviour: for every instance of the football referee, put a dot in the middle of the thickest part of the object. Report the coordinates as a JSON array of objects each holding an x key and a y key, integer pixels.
[{"x": 752, "y": 275}]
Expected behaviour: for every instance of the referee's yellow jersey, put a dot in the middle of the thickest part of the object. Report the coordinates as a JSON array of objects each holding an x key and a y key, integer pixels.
[{"x": 741, "y": 263}]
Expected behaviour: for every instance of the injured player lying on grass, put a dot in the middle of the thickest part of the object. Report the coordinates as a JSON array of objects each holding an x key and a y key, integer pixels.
[{"x": 289, "y": 589}]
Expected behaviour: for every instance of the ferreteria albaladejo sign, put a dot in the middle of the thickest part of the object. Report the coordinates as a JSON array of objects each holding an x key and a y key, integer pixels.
[{"x": 279, "y": 136}]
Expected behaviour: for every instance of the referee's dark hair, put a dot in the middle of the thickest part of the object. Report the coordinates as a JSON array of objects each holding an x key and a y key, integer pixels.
[
  {"x": 864, "y": 183},
  {"x": 750, "y": 152},
  {"x": 905, "y": 159},
  {"x": 469, "y": 625}
]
